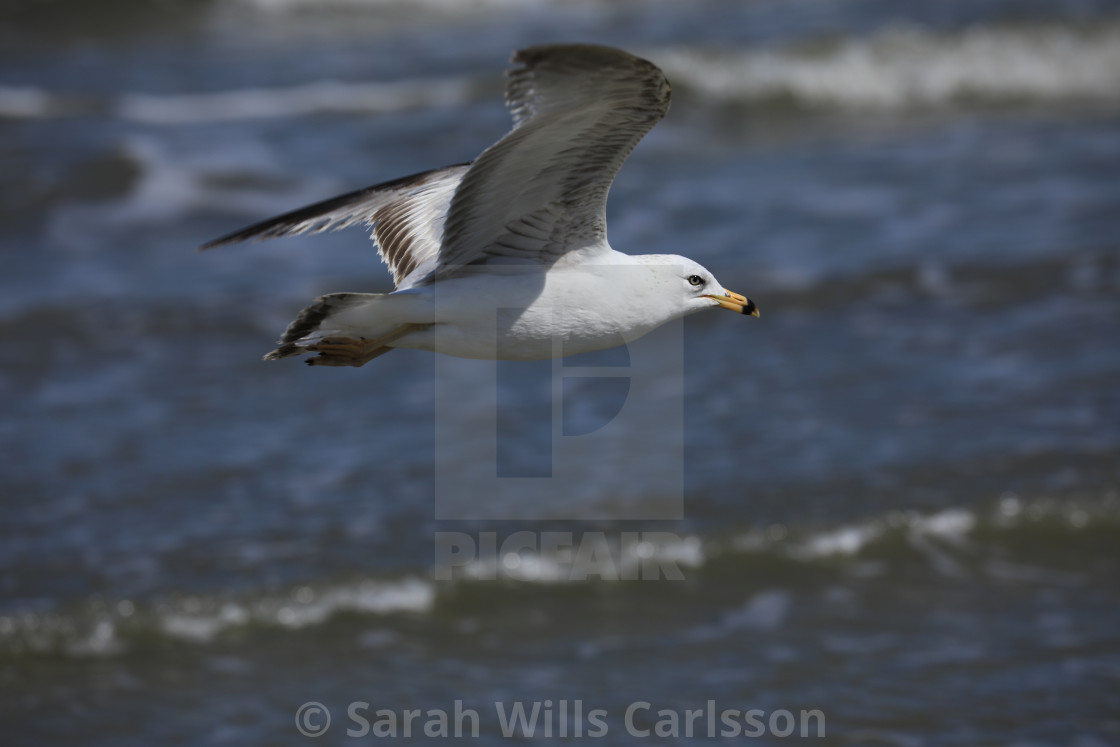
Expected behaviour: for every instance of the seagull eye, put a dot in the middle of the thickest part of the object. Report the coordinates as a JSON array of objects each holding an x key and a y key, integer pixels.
[{"x": 695, "y": 280}]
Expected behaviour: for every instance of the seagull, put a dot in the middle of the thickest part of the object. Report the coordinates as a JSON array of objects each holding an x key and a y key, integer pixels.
[{"x": 506, "y": 257}]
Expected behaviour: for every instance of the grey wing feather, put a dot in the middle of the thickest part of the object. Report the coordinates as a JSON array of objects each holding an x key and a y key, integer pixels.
[
  {"x": 407, "y": 216},
  {"x": 541, "y": 190}
]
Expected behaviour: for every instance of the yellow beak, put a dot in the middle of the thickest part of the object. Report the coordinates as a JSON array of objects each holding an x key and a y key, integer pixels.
[{"x": 735, "y": 302}]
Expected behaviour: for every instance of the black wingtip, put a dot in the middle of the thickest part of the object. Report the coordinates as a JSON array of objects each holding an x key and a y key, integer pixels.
[
  {"x": 232, "y": 238},
  {"x": 229, "y": 239}
]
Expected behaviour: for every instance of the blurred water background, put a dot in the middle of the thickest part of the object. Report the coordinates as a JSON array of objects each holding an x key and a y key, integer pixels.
[{"x": 900, "y": 492}]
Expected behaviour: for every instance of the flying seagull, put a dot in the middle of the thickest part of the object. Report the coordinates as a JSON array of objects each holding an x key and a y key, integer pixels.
[{"x": 507, "y": 257}]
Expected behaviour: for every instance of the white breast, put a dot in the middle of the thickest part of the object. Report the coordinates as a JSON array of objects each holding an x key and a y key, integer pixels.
[{"x": 531, "y": 314}]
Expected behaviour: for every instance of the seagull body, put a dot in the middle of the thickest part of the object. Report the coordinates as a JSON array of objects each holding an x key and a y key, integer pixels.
[{"x": 507, "y": 257}]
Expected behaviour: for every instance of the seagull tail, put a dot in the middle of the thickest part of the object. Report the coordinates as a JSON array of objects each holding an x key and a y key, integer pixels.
[
  {"x": 359, "y": 317},
  {"x": 308, "y": 327}
]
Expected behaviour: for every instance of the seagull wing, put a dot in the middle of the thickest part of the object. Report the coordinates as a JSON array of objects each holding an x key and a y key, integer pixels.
[
  {"x": 407, "y": 216},
  {"x": 541, "y": 190}
]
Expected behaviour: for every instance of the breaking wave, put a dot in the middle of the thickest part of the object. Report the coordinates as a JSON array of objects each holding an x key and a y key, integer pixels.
[
  {"x": 989, "y": 541},
  {"x": 893, "y": 70},
  {"x": 907, "y": 67}
]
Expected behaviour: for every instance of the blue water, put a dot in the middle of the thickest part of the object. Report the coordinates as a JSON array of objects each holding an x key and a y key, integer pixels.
[{"x": 893, "y": 499}]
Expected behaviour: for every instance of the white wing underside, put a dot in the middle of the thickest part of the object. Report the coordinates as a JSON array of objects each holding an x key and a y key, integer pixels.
[
  {"x": 536, "y": 194},
  {"x": 407, "y": 216}
]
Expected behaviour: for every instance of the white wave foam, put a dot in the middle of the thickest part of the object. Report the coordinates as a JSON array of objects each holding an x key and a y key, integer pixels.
[
  {"x": 202, "y": 626},
  {"x": 99, "y": 628},
  {"x": 951, "y": 525},
  {"x": 27, "y": 103},
  {"x": 419, "y": 9},
  {"x": 305, "y": 606},
  {"x": 313, "y": 98},
  {"x": 842, "y": 541},
  {"x": 319, "y": 97},
  {"x": 38, "y": 632},
  {"x": 904, "y": 68},
  {"x": 171, "y": 184}
]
